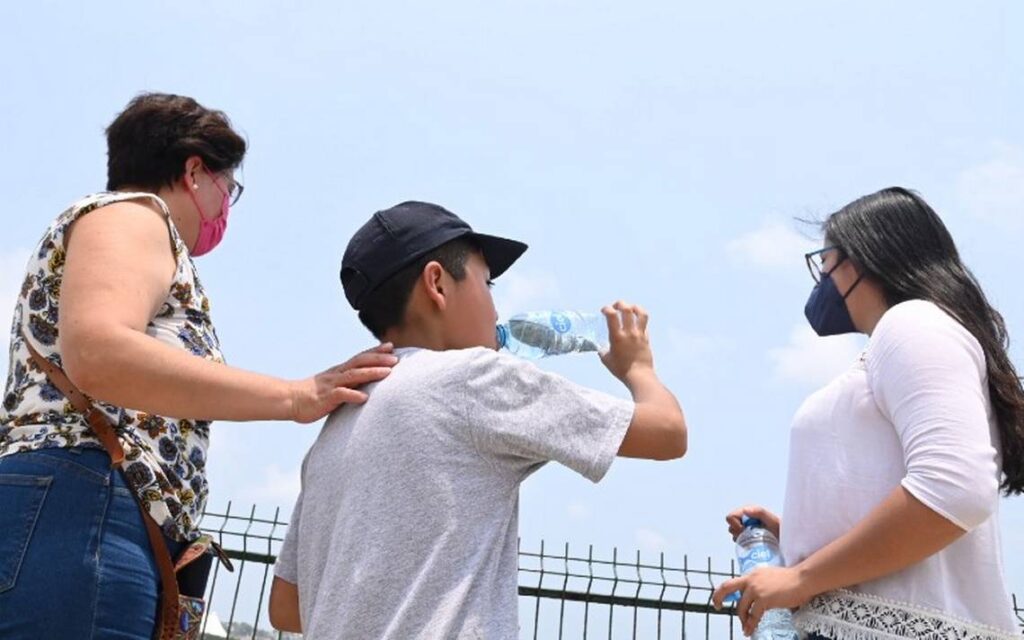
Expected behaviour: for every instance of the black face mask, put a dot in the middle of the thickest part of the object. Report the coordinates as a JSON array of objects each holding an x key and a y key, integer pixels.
[{"x": 826, "y": 308}]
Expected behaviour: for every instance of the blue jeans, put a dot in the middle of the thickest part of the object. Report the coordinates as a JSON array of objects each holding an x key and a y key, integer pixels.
[{"x": 75, "y": 560}]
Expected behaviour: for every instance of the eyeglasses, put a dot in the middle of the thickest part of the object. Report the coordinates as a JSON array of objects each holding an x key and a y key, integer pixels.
[
  {"x": 234, "y": 187},
  {"x": 235, "y": 190},
  {"x": 816, "y": 262}
]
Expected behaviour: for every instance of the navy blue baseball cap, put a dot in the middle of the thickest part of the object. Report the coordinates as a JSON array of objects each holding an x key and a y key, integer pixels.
[{"x": 397, "y": 237}]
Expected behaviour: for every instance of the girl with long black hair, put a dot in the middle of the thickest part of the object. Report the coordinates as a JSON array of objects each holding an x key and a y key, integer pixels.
[{"x": 896, "y": 467}]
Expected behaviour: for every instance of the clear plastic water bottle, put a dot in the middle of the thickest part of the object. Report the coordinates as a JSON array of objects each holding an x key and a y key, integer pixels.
[
  {"x": 540, "y": 334},
  {"x": 758, "y": 547}
]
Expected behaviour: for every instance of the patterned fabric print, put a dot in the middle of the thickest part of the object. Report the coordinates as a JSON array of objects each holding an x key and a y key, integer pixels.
[
  {"x": 165, "y": 458},
  {"x": 190, "y": 618},
  {"x": 845, "y": 615}
]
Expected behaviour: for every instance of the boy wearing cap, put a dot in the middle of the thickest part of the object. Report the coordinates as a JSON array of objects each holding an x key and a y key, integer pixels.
[{"x": 407, "y": 523}]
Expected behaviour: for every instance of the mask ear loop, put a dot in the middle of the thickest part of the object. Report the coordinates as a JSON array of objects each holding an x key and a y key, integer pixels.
[
  {"x": 195, "y": 201},
  {"x": 853, "y": 286},
  {"x": 225, "y": 200},
  {"x": 855, "y": 283}
]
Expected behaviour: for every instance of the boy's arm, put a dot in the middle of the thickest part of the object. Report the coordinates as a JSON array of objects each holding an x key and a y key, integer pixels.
[
  {"x": 284, "y": 592},
  {"x": 284, "y": 606},
  {"x": 658, "y": 428}
]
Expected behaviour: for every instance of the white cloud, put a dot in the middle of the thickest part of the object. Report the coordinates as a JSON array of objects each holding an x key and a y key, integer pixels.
[
  {"x": 814, "y": 361},
  {"x": 12, "y": 275},
  {"x": 578, "y": 511},
  {"x": 695, "y": 345},
  {"x": 773, "y": 246},
  {"x": 275, "y": 487},
  {"x": 519, "y": 291},
  {"x": 223, "y": 443},
  {"x": 651, "y": 540},
  {"x": 994, "y": 191}
]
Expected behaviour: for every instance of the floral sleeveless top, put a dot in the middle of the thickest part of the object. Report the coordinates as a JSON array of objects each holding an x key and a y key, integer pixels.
[{"x": 165, "y": 458}]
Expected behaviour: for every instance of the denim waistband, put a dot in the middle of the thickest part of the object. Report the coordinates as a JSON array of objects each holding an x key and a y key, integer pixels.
[{"x": 91, "y": 464}]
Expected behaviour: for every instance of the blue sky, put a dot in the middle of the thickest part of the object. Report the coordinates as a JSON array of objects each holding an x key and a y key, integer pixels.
[{"x": 656, "y": 151}]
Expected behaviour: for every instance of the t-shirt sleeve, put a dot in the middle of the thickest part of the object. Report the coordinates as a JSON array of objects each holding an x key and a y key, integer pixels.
[
  {"x": 927, "y": 374},
  {"x": 287, "y": 565},
  {"x": 521, "y": 415}
]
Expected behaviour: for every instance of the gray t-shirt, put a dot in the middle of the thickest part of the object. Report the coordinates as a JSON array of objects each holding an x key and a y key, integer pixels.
[{"x": 407, "y": 524}]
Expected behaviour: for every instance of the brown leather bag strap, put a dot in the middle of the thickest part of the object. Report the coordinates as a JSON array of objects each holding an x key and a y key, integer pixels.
[
  {"x": 104, "y": 430},
  {"x": 99, "y": 423},
  {"x": 168, "y": 622}
]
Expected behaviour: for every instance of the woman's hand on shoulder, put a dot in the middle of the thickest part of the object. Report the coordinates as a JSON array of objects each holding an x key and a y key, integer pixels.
[{"x": 315, "y": 397}]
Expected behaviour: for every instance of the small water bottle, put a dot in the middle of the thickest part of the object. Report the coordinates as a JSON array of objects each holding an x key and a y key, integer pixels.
[
  {"x": 758, "y": 547},
  {"x": 541, "y": 334}
]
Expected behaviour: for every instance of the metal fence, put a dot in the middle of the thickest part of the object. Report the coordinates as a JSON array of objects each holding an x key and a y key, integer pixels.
[{"x": 563, "y": 593}]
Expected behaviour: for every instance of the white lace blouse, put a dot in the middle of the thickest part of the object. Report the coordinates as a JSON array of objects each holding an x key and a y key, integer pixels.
[{"x": 913, "y": 411}]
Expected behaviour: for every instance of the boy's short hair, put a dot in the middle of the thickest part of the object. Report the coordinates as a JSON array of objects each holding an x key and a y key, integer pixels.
[{"x": 385, "y": 307}]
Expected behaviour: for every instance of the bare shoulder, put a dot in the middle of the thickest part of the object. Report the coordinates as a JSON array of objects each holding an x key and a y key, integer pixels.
[
  {"x": 127, "y": 224},
  {"x": 139, "y": 213},
  {"x": 124, "y": 245}
]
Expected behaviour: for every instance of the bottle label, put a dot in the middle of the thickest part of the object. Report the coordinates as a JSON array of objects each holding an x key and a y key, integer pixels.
[
  {"x": 561, "y": 322},
  {"x": 758, "y": 556}
]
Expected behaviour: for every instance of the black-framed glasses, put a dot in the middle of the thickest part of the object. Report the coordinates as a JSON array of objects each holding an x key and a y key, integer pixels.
[
  {"x": 816, "y": 262},
  {"x": 235, "y": 189}
]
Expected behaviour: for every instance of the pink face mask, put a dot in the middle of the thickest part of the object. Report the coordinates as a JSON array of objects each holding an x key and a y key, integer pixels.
[{"x": 211, "y": 232}]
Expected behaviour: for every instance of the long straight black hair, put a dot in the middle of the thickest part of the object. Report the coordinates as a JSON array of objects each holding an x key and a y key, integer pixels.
[{"x": 900, "y": 242}]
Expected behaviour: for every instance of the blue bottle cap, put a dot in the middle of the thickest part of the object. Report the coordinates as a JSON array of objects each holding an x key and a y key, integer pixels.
[{"x": 751, "y": 522}]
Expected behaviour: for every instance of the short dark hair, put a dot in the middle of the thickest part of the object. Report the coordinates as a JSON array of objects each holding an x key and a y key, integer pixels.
[
  {"x": 148, "y": 142},
  {"x": 385, "y": 306}
]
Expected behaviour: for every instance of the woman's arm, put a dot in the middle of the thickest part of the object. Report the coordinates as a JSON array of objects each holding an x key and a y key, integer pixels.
[
  {"x": 926, "y": 374},
  {"x": 119, "y": 268},
  {"x": 899, "y": 532}
]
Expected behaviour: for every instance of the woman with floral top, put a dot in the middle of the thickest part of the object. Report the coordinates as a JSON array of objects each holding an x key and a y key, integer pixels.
[
  {"x": 891, "y": 525},
  {"x": 112, "y": 297}
]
